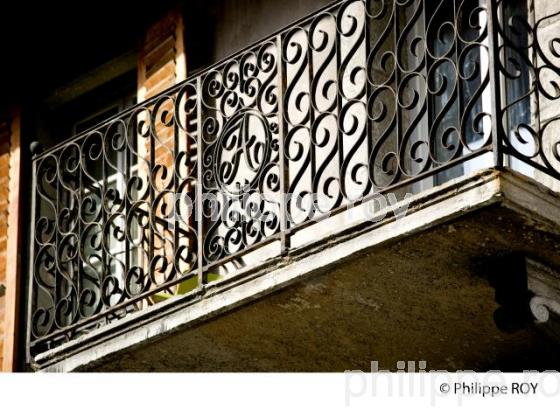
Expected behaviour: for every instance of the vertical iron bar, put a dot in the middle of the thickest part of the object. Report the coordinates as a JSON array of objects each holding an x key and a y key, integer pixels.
[
  {"x": 31, "y": 259},
  {"x": 57, "y": 239},
  {"x": 283, "y": 169},
  {"x": 535, "y": 61},
  {"x": 151, "y": 191},
  {"x": 430, "y": 99},
  {"x": 339, "y": 105},
  {"x": 459, "y": 83},
  {"x": 398, "y": 117},
  {"x": 312, "y": 145},
  {"x": 80, "y": 266},
  {"x": 176, "y": 198},
  {"x": 495, "y": 89},
  {"x": 104, "y": 241},
  {"x": 368, "y": 41},
  {"x": 198, "y": 199},
  {"x": 126, "y": 227}
]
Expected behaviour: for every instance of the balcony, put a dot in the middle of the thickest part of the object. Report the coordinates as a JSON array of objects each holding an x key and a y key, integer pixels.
[{"x": 333, "y": 127}]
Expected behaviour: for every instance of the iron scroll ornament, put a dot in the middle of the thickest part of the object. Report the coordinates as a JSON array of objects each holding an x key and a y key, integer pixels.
[{"x": 242, "y": 152}]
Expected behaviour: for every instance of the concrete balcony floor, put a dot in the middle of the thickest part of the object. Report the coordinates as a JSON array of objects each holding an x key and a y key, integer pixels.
[{"x": 422, "y": 288}]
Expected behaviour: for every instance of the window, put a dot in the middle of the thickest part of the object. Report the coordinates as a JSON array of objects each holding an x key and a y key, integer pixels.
[{"x": 89, "y": 199}]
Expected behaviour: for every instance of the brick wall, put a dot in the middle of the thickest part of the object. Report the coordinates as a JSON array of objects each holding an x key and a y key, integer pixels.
[
  {"x": 161, "y": 65},
  {"x": 4, "y": 192},
  {"x": 162, "y": 59}
]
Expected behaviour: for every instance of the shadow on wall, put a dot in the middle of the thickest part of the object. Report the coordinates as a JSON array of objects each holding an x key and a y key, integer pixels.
[
  {"x": 507, "y": 274},
  {"x": 215, "y": 29}
]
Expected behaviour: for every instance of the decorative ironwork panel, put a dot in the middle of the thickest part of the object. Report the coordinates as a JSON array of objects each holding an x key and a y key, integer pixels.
[
  {"x": 379, "y": 93},
  {"x": 113, "y": 219},
  {"x": 240, "y": 152},
  {"x": 219, "y": 172}
]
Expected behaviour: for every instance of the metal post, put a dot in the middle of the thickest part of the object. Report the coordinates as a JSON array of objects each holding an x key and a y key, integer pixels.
[
  {"x": 198, "y": 200},
  {"x": 35, "y": 149},
  {"x": 284, "y": 176},
  {"x": 494, "y": 72}
]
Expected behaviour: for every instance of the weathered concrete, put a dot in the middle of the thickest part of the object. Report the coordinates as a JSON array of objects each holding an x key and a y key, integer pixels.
[
  {"x": 423, "y": 298},
  {"x": 407, "y": 290}
]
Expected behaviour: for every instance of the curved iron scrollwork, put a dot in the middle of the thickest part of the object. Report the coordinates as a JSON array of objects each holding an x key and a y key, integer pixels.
[
  {"x": 362, "y": 97},
  {"x": 529, "y": 64},
  {"x": 242, "y": 152},
  {"x": 113, "y": 218}
]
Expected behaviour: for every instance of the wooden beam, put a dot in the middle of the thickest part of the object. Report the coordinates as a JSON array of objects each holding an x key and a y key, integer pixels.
[{"x": 12, "y": 301}]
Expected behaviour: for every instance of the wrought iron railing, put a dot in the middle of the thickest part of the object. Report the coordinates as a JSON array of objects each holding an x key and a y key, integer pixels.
[{"x": 360, "y": 98}]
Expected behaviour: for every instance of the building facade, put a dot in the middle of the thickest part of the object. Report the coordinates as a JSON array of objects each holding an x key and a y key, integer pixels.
[{"x": 284, "y": 185}]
